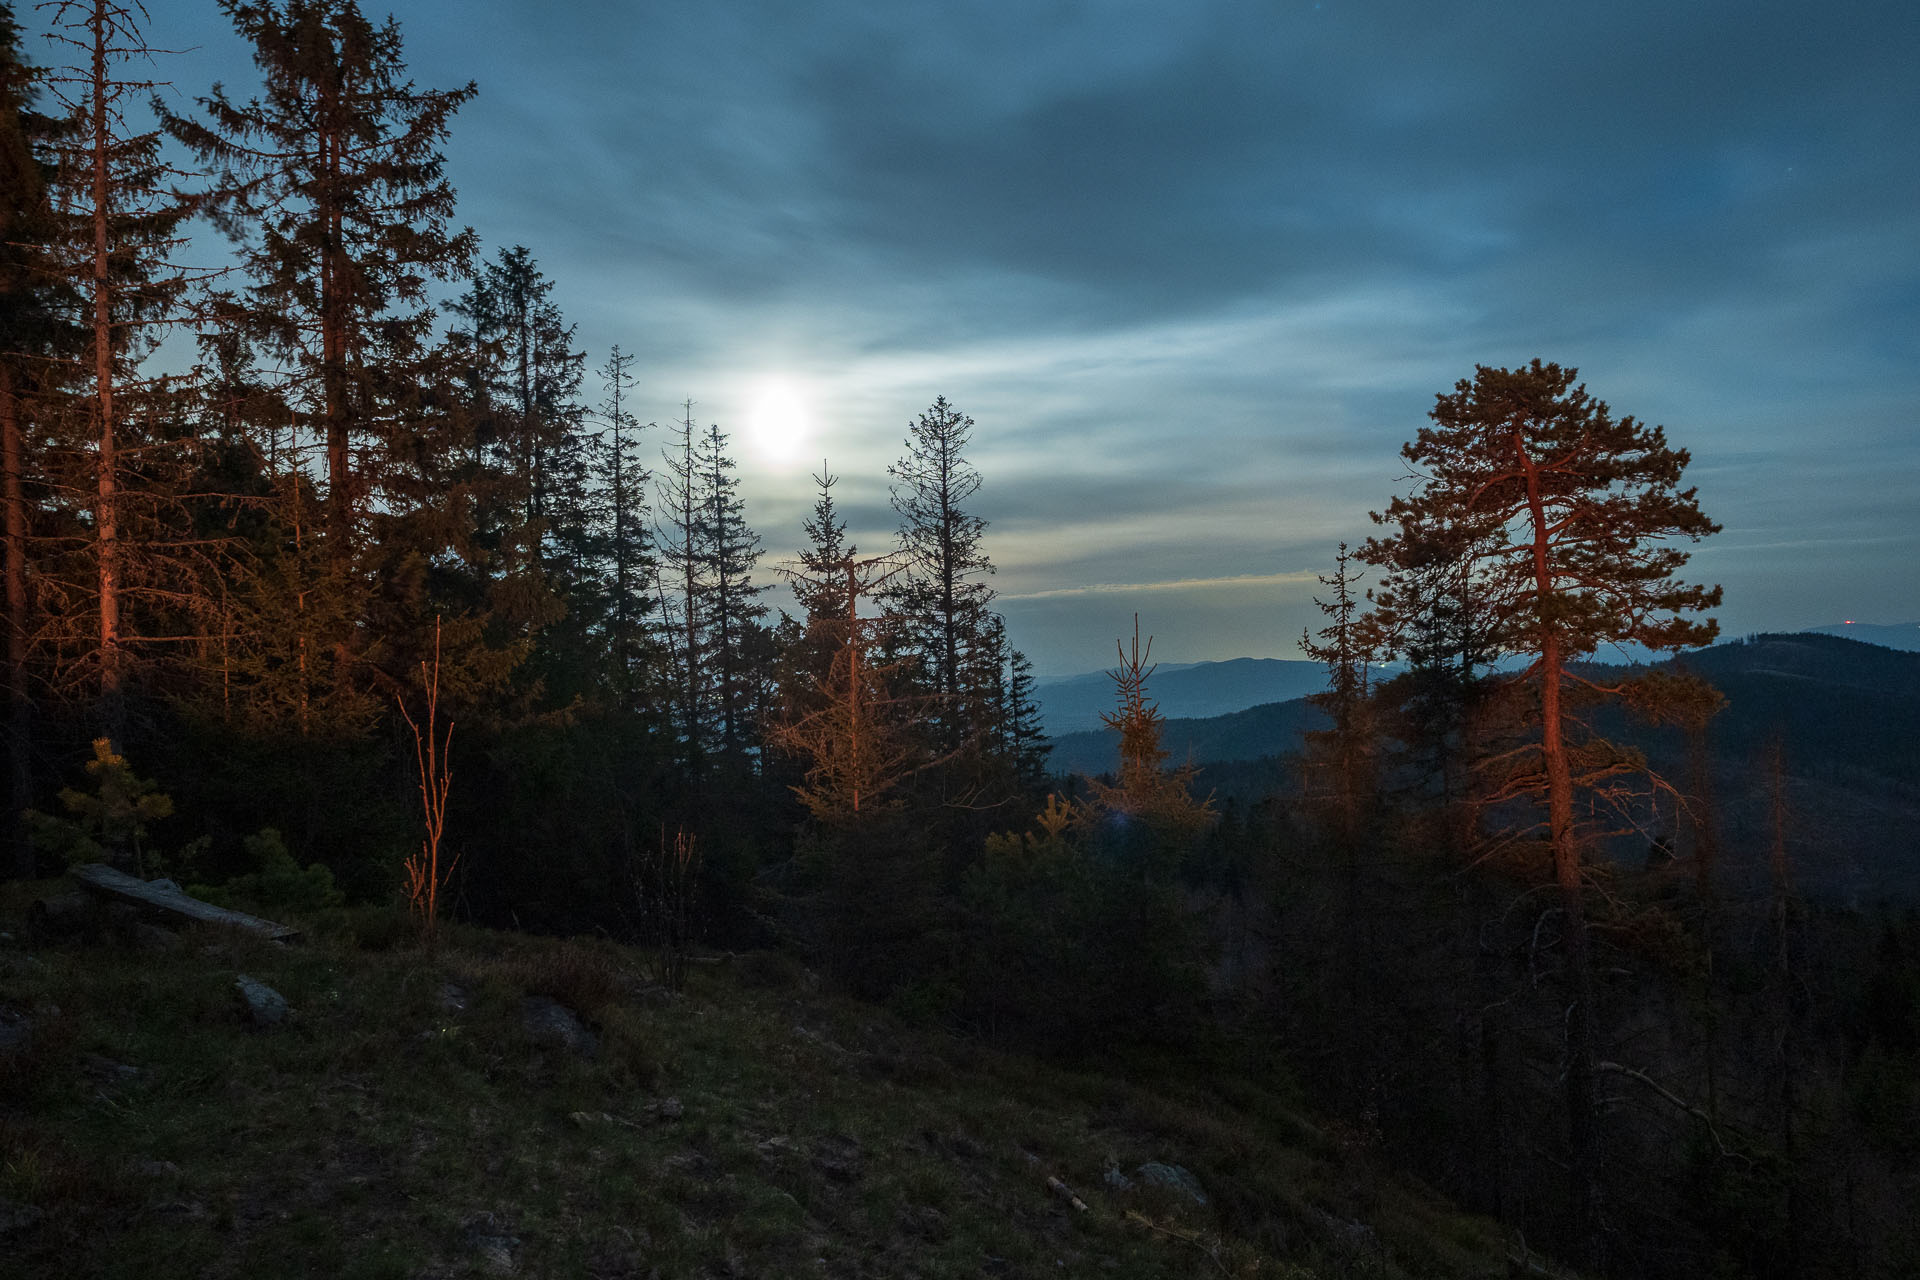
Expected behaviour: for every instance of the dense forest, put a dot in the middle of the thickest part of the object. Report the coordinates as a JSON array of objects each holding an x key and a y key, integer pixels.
[{"x": 383, "y": 594}]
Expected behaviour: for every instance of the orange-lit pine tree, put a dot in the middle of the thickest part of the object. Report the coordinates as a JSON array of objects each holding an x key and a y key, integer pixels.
[
  {"x": 854, "y": 730},
  {"x": 1144, "y": 786},
  {"x": 1563, "y": 517}
]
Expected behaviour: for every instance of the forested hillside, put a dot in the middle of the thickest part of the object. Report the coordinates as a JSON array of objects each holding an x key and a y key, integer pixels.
[{"x": 1846, "y": 713}]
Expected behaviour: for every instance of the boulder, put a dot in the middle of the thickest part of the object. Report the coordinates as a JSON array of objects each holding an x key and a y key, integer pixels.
[
  {"x": 260, "y": 1003},
  {"x": 1173, "y": 1178},
  {"x": 552, "y": 1025}
]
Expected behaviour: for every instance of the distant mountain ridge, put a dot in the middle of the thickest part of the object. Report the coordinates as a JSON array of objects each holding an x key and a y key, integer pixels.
[
  {"x": 1073, "y": 704},
  {"x": 1846, "y": 712},
  {"x": 1904, "y": 635}
]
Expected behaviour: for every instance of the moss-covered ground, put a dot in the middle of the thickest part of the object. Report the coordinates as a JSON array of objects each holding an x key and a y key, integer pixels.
[{"x": 403, "y": 1121}]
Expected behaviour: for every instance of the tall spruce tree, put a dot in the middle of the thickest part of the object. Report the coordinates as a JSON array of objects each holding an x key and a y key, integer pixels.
[
  {"x": 680, "y": 580},
  {"x": 943, "y": 598},
  {"x": 845, "y": 710},
  {"x": 118, "y": 222},
  {"x": 1563, "y": 518},
  {"x": 625, "y": 544},
  {"x": 732, "y": 608},
  {"x": 527, "y": 377},
  {"x": 36, "y": 304},
  {"x": 1343, "y": 754},
  {"x": 334, "y": 189}
]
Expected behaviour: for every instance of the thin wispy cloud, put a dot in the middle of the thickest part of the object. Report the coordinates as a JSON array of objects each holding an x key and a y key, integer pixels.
[{"x": 1230, "y": 582}]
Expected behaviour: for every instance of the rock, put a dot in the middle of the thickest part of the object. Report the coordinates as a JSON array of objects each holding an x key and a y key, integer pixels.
[
  {"x": 837, "y": 1157},
  {"x": 654, "y": 997},
  {"x": 1118, "y": 1180},
  {"x": 17, "y": 1217},
  {"x": 493, "y": 1242},
  {"x": 264, "y": 1006},
  {"x": 667, "y": 1109},
  {"x": 1173, "y": 1178},
  {"x": 16, "y": 1031},
  {"x": 1357, "y": 1238},
  {"x": 151, "y": 937},
  {"x": 107, "y": 1070},
  {"x": 552, "y": 1025}
]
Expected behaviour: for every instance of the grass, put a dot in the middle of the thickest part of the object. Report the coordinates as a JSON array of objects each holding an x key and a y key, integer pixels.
[{"x": 751, "y": 1127}]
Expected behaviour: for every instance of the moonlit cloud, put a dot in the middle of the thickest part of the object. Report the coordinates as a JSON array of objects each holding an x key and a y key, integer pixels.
[
  {"x": 1198, "y": 270},
  {"x": 1236, "y": 582}
]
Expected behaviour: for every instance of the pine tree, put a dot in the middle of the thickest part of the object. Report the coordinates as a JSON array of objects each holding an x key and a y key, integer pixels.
[
  {"x": 537, "y": 513},
  {"x": 1019, "y": 739},
  {"x": 1344, "y": 753},
  {"x": 118, "y": 226},
  {"x": 942, "y": 599},
  {"x": 1145, "y": 786},
  {"x": 681, "y": 582},
  {"x": 33, "y": 335},
  {"x": 844, "y": 710},
  {"x": 332, "y": 185},
  {"x": 527, "y": 379},
  {"x": 731, "y": 608},
  {"x": 1562, "y": 517},
  {"x": 625, "y": 543}
]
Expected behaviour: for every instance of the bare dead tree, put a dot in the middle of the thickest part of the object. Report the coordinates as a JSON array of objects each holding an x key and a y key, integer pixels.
[{"x": 432, "y": 752}]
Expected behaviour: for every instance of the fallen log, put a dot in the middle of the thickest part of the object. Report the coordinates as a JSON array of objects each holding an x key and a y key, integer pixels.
[{"x": 164, "y": 895}]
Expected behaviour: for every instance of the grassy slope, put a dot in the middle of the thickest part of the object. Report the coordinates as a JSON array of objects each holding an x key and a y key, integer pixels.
[{"x": 380, "y": 1133}]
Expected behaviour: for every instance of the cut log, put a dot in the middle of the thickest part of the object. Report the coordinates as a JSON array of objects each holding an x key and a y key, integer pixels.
[{"x": 164, "y": 895}]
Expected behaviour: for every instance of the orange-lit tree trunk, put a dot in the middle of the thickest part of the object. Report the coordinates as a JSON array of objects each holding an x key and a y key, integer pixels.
[
  {"x": 1581, "y": 1134},
  {"x": 107, "y": 550}
]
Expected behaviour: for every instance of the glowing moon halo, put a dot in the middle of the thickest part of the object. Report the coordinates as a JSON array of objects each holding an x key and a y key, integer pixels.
[{"x": 778, "y": 423}]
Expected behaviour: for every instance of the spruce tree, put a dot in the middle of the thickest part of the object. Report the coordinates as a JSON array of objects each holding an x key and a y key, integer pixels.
[
  {"x": 1342, "y": 646},
  {"x": 1562, "y": 519},
  {"x": 624, "y": 545},
  {"x": 943, "y": 598},
  {"x": 35, "y": 302},
  {"x": 117, "y": 222},
  {"x": 332, "y": 186},
  {"x": 731, "y": 606},
  {"x": 681, "y": 583}
]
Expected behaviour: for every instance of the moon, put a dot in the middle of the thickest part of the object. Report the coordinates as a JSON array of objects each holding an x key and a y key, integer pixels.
[{"x": 779, "y": 422}]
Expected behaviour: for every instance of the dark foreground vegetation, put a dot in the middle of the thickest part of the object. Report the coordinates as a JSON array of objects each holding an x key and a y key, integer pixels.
[
  {"x": 419, "y": 1114},
  {"x": 373, "y": 610}
]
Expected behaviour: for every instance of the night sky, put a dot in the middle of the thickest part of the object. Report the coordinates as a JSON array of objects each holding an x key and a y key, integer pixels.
[{"x": 1198, "y": 269}]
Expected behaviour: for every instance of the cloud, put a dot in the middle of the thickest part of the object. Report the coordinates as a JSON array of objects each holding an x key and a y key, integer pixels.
[
  {"x": 1233, "y": 582},
  {"x": 1197, "y": 270}
]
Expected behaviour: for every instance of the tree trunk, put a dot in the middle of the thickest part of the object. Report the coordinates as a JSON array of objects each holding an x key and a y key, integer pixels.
[
  {"x": 19, "y": 705},
  {"x": 1582, "y": 1153},
  {"x": 107, "y": 495},
  {"x": 1705, "y": 856},
  {"x": 333, "y": 352}
]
